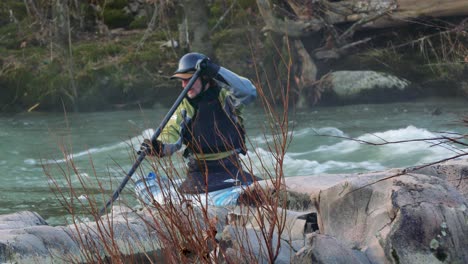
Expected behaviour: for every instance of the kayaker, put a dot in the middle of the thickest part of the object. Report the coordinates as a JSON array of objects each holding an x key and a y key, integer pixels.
[{"x": 209, "y": 123}]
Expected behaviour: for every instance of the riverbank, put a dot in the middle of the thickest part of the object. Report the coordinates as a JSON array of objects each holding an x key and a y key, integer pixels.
[
  {"x": 108, "y": 65},
  {"x": 102, "y": 143}
]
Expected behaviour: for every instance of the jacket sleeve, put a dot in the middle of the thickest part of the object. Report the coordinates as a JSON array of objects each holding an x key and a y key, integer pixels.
[
  {"x": 171, "y": 135},
  {"x": 241, "y": 89}
]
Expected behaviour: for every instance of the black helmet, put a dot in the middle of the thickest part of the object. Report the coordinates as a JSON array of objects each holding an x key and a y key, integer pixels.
[{"x": 187, "y": 65}]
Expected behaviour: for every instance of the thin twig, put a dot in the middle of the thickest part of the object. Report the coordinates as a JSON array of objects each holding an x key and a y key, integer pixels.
[
  {"x": 409, "y": 170},
  {"x": 223, "y": 16}
]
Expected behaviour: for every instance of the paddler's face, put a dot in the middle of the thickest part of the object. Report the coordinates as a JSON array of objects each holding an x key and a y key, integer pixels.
[{"x": 195, "y": 90}]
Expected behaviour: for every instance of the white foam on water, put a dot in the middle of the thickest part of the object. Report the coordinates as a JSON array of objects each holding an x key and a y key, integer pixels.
[
  {"x": 347, "y": 166},
  {"x": 404, "y": 134},
  {"x": 30, "y": 161},
  {"x": 413, "y": 151},
  {"x": 265, "y": 161},
  {"x": 301, "y": 133},
  {"x": 135, "y": 142},
  {"x": 442, "y": 154},
  {"x": 147, "y": 133},
  {"x": 299, "y": 163},
  {"x": 343, "y": 147},
  {"x": 84, "y": 153},
  {"x": 295, "y": 167},
  {"x": 330, "y": 131},
  {"x": 408, "y": 133},
  {"x": 429, "y": 150}
]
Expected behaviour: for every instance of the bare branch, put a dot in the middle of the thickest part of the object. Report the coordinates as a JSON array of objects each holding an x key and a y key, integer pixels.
[
  {"x": 287, "y": 27},
  {"x": 150, "y": 28},
  {"x": 335, "y": 53},
  {"x": 223, "y": 16},
  {"x": 409, "y": 170},
  {"x": 455, "y": 140},
  {"x": 358, "y": 25}
]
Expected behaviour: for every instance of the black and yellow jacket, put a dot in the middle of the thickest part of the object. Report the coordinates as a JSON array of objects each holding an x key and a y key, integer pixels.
[{"x": 211, "y": 125}]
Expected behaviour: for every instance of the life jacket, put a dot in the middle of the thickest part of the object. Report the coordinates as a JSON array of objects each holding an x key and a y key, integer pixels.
[{"x": 212, "y": 129}]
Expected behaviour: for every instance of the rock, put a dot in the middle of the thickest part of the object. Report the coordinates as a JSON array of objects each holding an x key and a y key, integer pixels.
[
  {"x": 365, "y": 86},
  {"x": 464, "y": 86},
  {"x": 39, "y": 243},
  {"x": 32, "y": 241},
  {"x": 395, "y": 219},
  {"x": 247, "y": 241},
  {"x": 377, "y": 217},
  {"x": 455, "y": 172},
  {"x": 169, "y": 44},
  {"x": 36, "y": 244},
  {"x": 134, "y": 6},
  {"x": 127, "y": 11},
  {"x": 20, "y": 220},
  {"x": 141, "y": 13},
  {"x": 323, "y": 249},
  {"x": 321, "y": 182}
]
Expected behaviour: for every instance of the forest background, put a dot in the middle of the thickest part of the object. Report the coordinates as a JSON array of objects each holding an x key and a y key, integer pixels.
[{"x": 119, "y": 54}]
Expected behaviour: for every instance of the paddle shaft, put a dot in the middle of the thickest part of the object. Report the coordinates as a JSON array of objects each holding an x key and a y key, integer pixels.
[{"x": 156, "y": 134}]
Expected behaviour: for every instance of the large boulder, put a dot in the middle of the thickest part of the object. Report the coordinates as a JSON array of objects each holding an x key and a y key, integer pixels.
[
  {"x": 323, "y": 249},
  {"x": 21, "y": 219},
  {"x": 365, "y": 87},
  {"x": 397, "y": 218},
  {"x": 125, "y": 235},
  {"x": 30, "y": 239},
  {"x": 248, "y": 245},
  {"x": 27, "y": 233},
  {"x": 380, "y": 217}
]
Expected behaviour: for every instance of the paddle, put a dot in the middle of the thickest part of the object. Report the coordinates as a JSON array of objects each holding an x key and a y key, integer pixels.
[{"x": 156, "y": 134}]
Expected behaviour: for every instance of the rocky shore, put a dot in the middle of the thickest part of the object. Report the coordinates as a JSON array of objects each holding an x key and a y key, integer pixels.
[{"x": 392, "y": 216}]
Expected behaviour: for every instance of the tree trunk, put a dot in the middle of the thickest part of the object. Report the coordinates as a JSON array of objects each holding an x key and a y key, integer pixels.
[
  {"x": 71, "y": 66},
  {"x": 399, "y": 11},
  {"x": 196, "y": 15},
  {"x": 60, "y": 13},
  {"x": 305, "y": 73},
  {"x": 62, "y": 35}
]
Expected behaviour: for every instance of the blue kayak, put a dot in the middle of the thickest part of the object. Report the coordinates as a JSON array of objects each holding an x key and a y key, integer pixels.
[{"x": 162, "y": 189}]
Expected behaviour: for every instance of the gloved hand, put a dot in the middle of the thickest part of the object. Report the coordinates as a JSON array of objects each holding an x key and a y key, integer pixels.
[
  {"x": 150, "y": 148},
  {"x": 208, "y": 68}
]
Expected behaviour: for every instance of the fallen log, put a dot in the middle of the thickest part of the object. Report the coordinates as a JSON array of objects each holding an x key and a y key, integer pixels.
[{"x": 309, "y": 17}]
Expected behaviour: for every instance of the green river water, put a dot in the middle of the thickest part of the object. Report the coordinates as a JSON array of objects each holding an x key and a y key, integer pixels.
[{"x": 100, "y": 145}]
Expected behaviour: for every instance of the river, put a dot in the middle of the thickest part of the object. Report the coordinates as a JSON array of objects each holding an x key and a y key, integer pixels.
[{"x": 100, "y": 145}]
